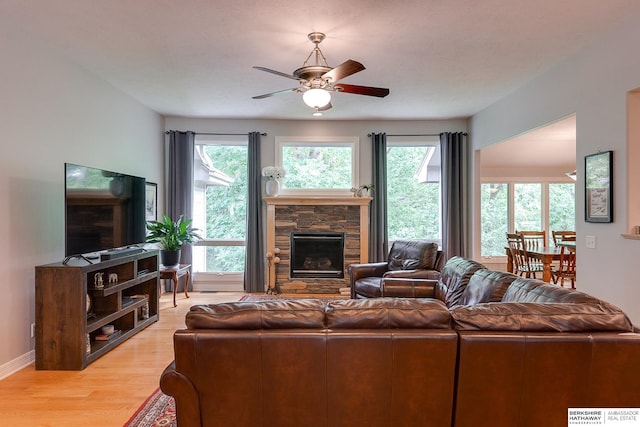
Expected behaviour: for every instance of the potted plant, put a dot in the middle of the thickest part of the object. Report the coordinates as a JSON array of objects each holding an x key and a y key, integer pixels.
[
  {"x": 363, "y": 190},
  {"x": 171, "y": 235}
]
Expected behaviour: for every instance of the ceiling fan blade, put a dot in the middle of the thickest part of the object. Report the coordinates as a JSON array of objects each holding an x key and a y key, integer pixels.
[
  {"x": 362, "y": 90},
  {"x": 343, "y": 70},
  {"x": 277, "y": 73},
  {"x": 267, "y": 95}
]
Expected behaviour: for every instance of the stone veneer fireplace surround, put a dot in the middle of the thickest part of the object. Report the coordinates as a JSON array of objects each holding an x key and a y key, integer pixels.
[{"x": 289, "y": 214}]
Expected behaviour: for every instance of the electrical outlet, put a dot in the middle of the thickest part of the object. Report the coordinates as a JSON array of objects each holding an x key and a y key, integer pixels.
[
  {"x": 590, "y": 242},
  {"x": 33, "y": 330}
]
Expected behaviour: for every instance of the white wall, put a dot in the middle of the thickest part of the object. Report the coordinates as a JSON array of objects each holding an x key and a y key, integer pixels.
[
  {"x": 52, "y": 112},
  {"x": 593, "y": 84}
]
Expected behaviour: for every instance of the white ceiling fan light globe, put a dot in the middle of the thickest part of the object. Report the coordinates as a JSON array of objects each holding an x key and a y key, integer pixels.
[{"x": 316, "y": 98}]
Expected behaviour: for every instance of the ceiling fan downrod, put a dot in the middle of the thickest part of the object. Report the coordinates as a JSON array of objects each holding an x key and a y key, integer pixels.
[{"x": 316, "y": 38}]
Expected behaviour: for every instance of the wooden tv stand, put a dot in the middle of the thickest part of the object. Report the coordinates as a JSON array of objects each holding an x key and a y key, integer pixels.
[{"x": 71, "y": 310}]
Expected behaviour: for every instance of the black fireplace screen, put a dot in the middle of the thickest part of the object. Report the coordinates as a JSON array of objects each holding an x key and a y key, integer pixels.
[{"x": 319, "y": 255}]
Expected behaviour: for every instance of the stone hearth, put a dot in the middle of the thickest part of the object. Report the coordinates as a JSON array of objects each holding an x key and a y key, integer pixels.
[{"x": 286, "y": 215}]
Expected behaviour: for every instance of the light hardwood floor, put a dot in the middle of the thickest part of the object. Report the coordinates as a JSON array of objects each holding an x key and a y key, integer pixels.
[{"x": 110, "y": 389}]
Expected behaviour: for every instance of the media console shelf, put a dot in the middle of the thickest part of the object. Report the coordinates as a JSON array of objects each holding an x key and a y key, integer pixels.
[{"x": 71, "y": 310}]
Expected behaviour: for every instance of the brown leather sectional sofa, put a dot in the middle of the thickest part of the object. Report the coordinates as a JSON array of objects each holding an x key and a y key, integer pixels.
[{"x": 488, "y": 348}]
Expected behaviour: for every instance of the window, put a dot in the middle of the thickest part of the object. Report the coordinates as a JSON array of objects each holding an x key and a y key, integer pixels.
[
  {"x": 514, "y": 206},
  {"x": 220, "y": 204},
  {"x": 318, "y": 165},
  {"x": 494, "y": 218},
  {"x": 413, "y": 188},
  {"x": 562, "y": 206},
  {"x": 527, "y": 206}
]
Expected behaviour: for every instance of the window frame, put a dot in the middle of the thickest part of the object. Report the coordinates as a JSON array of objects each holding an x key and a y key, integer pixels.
[
  {"x": 218, "y": 280},
  {"x": 419, "y": 141},
  {"x": 353, "y": 142}
]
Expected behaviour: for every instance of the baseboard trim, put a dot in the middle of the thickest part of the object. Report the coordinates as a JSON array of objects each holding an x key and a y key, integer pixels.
[{"x": 17, "y": 364}]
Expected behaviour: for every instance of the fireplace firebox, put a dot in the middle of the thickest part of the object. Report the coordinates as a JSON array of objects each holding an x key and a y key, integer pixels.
[{"x": 319, "y": 255}]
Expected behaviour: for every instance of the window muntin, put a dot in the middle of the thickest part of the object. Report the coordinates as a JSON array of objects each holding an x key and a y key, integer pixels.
[{"x": 314, "y": 165}]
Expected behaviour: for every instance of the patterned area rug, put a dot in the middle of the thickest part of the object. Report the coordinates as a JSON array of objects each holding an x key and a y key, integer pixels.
[
  {"x": 159, "y": 410},
  {"x": 265, "y": 297}
]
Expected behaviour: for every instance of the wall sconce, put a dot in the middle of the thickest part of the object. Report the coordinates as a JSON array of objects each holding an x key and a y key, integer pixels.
[{"x": 571, "y": 175}]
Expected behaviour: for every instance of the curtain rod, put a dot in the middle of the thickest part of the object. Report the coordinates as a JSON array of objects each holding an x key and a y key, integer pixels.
[
  {"x": 219, "y": 134},
  {"x": 418, "y": 134}
]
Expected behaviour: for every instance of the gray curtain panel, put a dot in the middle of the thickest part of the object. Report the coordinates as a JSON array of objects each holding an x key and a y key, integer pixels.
[
  {"x": 254, "y": 280},
  {"x": 378, "y": 236},
  {"x": 180, "y": 191},
  {"x": 455, "y": 188}
]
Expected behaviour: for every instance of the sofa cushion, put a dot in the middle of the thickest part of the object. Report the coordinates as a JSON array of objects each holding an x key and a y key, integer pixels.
[
  {"x": 454, "y": 278},
  {"x": 277, "y": 314},
  {"x": 388, "y": 313},
  {"x": 533, "y": 290},
  {"x": 413, "y": 255},
  {"x": 486, "y": 286},
  {"x": 539, "y": 317}
]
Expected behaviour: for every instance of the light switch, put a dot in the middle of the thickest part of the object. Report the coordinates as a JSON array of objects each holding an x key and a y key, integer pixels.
[{"x": 590, "y": 242}]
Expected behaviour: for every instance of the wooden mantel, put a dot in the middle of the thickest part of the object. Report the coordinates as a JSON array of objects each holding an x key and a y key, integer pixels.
[
  {"x": 272, "y": 202},
  {"x": 317, "y": 200}
]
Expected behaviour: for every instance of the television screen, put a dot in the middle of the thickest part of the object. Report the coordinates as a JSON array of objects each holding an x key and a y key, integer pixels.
[{"x": 103, "y": 210}]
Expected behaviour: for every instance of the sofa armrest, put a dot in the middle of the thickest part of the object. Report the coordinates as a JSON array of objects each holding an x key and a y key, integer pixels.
[
  {"x": 374, "y": 269},
  {"x": 173, "y": 383},
  {"x": 411, "y": 274},
  {"x": 401, "y": 287},
  {"x": 362, "y": 271}
]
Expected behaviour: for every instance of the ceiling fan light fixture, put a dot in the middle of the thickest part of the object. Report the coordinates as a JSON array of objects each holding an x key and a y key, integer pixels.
[
  {"x": 317, "y": 113},
  {"x": 317, "y": 79},
  {"x": 316, "y": 98}
]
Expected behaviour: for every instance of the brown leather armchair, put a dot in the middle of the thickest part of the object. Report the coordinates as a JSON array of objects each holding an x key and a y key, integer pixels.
[{"x": 411, "y": 270}]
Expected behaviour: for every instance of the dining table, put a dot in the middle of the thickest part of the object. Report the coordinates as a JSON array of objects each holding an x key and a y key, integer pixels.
[
  {"x": 546, "y": 255},
  {"x": 571, "y": 244}
]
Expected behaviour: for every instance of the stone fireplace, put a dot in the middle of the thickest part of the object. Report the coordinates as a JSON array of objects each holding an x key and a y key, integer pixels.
[{"x": 294, "y": 223}]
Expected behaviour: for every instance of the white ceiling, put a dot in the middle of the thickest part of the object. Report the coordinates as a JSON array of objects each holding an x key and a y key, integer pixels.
[
  {"x": 551, "y": 146},
  {"x": 440, "y": 59}
]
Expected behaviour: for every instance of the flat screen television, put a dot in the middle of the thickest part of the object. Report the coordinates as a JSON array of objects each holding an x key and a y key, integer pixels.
[{"x": 103, "y": 210}]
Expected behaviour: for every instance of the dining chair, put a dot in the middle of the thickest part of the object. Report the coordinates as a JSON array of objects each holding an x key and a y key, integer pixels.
[
  {"x": 566, "y": 267},
  {"x": 560, "y": 236},
  {"x": 523, "y": 265},
  {"x": 534, "y": 239}
]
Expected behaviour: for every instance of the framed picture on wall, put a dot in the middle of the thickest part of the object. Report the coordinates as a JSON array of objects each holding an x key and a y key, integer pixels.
[
  {"x": 598, "y": 186},
  {"x": 151, "y": 201}
]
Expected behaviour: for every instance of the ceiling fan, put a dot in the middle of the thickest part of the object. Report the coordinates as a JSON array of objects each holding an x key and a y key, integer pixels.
[{"x": 317, "y": 81}]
